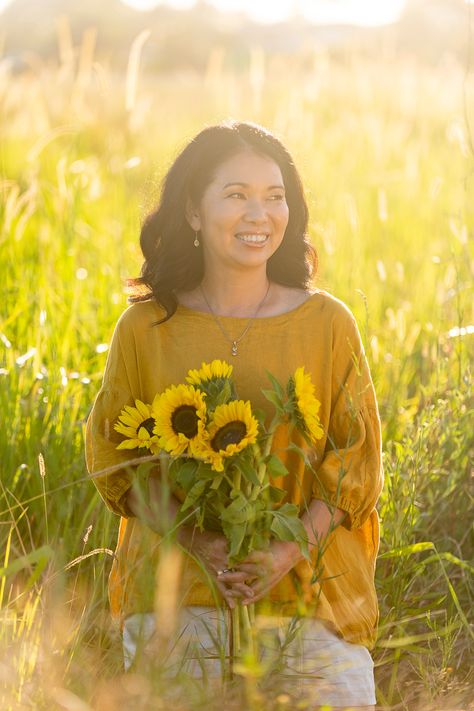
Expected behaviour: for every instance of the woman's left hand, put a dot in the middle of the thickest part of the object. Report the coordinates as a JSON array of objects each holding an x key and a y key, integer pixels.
[{"x": 262, "y": 570}]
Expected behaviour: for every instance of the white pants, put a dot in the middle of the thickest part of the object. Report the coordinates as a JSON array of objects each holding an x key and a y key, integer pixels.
[{"x": 308, "y": 659}]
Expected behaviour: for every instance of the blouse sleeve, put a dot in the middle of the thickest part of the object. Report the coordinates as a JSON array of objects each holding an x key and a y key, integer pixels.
[
  {"x": 101, "y": 439},
  {"x": 350, "y": 475}
]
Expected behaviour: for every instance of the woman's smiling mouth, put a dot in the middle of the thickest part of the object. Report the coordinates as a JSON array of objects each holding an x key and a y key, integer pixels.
[{"x": 251, "y": 238}]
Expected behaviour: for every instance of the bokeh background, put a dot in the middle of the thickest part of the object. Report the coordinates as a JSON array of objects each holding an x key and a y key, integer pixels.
[{"x": 376, "y": 103}]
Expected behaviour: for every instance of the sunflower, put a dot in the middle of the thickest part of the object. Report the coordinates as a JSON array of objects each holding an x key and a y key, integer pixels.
[
  {"x": 209, "y": 371},
  {"x": 306, "y": 405},
  {"x": 137, "y": 424},
  {"x": 232, "y": 428},
  {"x": 180, "y": 414},
  {"x": 215, "y": 380}
]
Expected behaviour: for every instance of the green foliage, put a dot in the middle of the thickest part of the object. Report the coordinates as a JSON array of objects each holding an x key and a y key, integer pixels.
[
  {"x": 287, "y": 526},
  {"x": 385, "y": 158},
  {"x": 275, "y": 466},
  {"x": 424, "y": 571}
]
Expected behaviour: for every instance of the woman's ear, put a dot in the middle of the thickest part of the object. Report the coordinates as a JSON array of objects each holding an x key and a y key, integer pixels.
[{"x": 192, "y": 216}]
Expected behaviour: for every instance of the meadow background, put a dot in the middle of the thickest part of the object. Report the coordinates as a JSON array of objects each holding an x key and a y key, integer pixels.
[{"x": 384, "y": 142}]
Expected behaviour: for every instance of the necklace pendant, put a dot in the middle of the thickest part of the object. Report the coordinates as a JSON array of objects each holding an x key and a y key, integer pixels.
[{"x": 234, "y": 348}]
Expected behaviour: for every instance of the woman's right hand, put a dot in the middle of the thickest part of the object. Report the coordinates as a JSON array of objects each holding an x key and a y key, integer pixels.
[{"x": 212, "y": 550}]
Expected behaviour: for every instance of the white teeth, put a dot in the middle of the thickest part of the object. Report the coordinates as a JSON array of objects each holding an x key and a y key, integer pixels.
[{"x": 258, "y": 239}]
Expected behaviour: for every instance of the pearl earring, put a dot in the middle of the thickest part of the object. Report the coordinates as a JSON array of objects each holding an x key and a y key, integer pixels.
[{"x": 196, "y": 241}]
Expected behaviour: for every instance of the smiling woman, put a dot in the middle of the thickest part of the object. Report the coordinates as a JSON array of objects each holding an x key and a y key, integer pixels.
[
  {"x": 227, "y": 271},
  {"x": 243, "y": 213},
  {"x": 235, "y": 189}
]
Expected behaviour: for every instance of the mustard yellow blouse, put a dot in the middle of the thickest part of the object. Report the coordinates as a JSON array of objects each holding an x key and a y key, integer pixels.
[{"x": 320, "y": 334}]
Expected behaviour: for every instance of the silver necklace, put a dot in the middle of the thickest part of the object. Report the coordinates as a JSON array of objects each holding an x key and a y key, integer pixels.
[{"x": 234, "y": 341}]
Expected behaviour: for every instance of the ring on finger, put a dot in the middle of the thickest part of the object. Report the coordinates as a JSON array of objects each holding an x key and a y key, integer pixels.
[{"x": 225, "y": 570}]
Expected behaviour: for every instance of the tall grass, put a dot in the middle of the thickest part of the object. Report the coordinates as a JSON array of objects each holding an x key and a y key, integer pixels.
[{"x": 386, "y": 161}]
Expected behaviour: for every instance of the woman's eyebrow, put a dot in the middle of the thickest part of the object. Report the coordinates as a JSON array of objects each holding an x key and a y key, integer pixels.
[{"x": 246, "y": 185}]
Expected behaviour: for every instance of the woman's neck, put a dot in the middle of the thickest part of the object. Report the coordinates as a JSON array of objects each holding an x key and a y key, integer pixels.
[{"x": 237, "y": 295}]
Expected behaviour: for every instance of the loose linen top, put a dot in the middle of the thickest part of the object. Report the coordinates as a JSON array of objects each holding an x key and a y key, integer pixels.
[{"x": 321, "y": 334}]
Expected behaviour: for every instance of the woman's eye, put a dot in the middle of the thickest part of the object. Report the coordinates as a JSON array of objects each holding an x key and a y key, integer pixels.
[{"x": 277, "y": 197}]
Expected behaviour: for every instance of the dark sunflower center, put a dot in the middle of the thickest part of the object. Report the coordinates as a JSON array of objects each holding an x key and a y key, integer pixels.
[
  {"x": 231, "y": 433},
  {"x": 184, "y": 420},
  {"x": 148, "y": 425}
]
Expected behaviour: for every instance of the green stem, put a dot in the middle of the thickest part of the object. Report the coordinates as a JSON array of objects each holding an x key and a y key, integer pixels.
[
  {"x": 237, "y": 479},
  {"x": 259, "y": 456},
  {"x": 236, "y": 644},
  {"x": 247, "y": 628},
  {"x": 242, "y": 637}
]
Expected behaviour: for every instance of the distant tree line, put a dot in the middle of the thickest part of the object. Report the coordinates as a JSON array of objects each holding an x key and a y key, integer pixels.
[{"x": 183, "y": 39}]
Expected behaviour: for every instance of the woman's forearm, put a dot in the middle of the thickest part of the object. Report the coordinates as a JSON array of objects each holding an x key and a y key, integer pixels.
[{"x": 318, "y": 521}]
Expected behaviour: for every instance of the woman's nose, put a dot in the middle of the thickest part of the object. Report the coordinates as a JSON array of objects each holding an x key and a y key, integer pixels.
[{"x": 256, "y": 211}]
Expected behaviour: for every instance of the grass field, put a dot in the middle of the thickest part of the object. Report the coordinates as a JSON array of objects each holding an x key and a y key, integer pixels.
[{"x": 386, "y": 154}]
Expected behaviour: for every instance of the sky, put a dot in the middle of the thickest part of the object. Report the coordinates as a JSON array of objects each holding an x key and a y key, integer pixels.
[
  {"x": 360, "y": 12},
  {"x": 365, "y": 12}
]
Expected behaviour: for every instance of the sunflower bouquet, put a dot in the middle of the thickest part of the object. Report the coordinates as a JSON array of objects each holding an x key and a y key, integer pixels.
[{"x": 220, "y": 461}]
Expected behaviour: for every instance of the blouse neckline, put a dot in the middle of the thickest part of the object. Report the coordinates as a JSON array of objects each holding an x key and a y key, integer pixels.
[{"x": 185, "y": 310}]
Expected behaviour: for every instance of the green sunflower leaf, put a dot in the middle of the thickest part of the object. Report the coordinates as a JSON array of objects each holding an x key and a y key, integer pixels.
[
  {"x": 239, "y": 511},
  {"x": 225, "y": 394},
  {"x": 275, "y": 494},
  {"x": 287, "y": 526},
  {"x": 235, "y": 534},
  {"x": 186, "y": 473},
  {"x": 275, "y": 466},
  {"x": 206, "y": 472},
  {"x": 194, "y": 494},
  {"x": 272, "y": 397},
  {"x": 276, "y": 385},
  {"x": 248, "y": 470}
]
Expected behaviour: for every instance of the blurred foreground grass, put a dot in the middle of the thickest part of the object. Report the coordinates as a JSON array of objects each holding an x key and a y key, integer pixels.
[{"x": 386, "y": 158}]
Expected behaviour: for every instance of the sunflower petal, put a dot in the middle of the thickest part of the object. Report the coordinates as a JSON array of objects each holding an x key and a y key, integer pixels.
[
  {"x": 143, "y": 409},
  {"x": 123, "y": 429},
  {"x": 127, "y": 419},
  {"x": 143, "y": 433},
  {"x": 128, "y": 444}
]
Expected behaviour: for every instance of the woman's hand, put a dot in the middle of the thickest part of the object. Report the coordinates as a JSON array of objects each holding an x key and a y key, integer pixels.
[
  {"x": 262, "y": 570},
  {"x": 210, "y": 547},
  {"x": 212, "y": 550}
]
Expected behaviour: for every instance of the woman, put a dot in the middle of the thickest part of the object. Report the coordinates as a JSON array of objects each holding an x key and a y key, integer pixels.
[{"x": 227, "y": 272}]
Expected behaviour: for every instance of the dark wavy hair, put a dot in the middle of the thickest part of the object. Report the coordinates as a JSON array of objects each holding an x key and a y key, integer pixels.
[{"x": 172, "y": 263}]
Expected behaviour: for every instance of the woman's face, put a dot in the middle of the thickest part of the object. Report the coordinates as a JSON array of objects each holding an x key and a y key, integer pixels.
[{"x": 243, "y": 213}]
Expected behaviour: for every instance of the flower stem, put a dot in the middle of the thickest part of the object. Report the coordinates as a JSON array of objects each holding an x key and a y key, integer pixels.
[
  {"x": 236, "y": 644},
  {"x": 242, "y": 637},
  {"x": 237, "y": 479},
  {"x": 247, "y": 628},
  {"x": 261, "y": 456}
]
